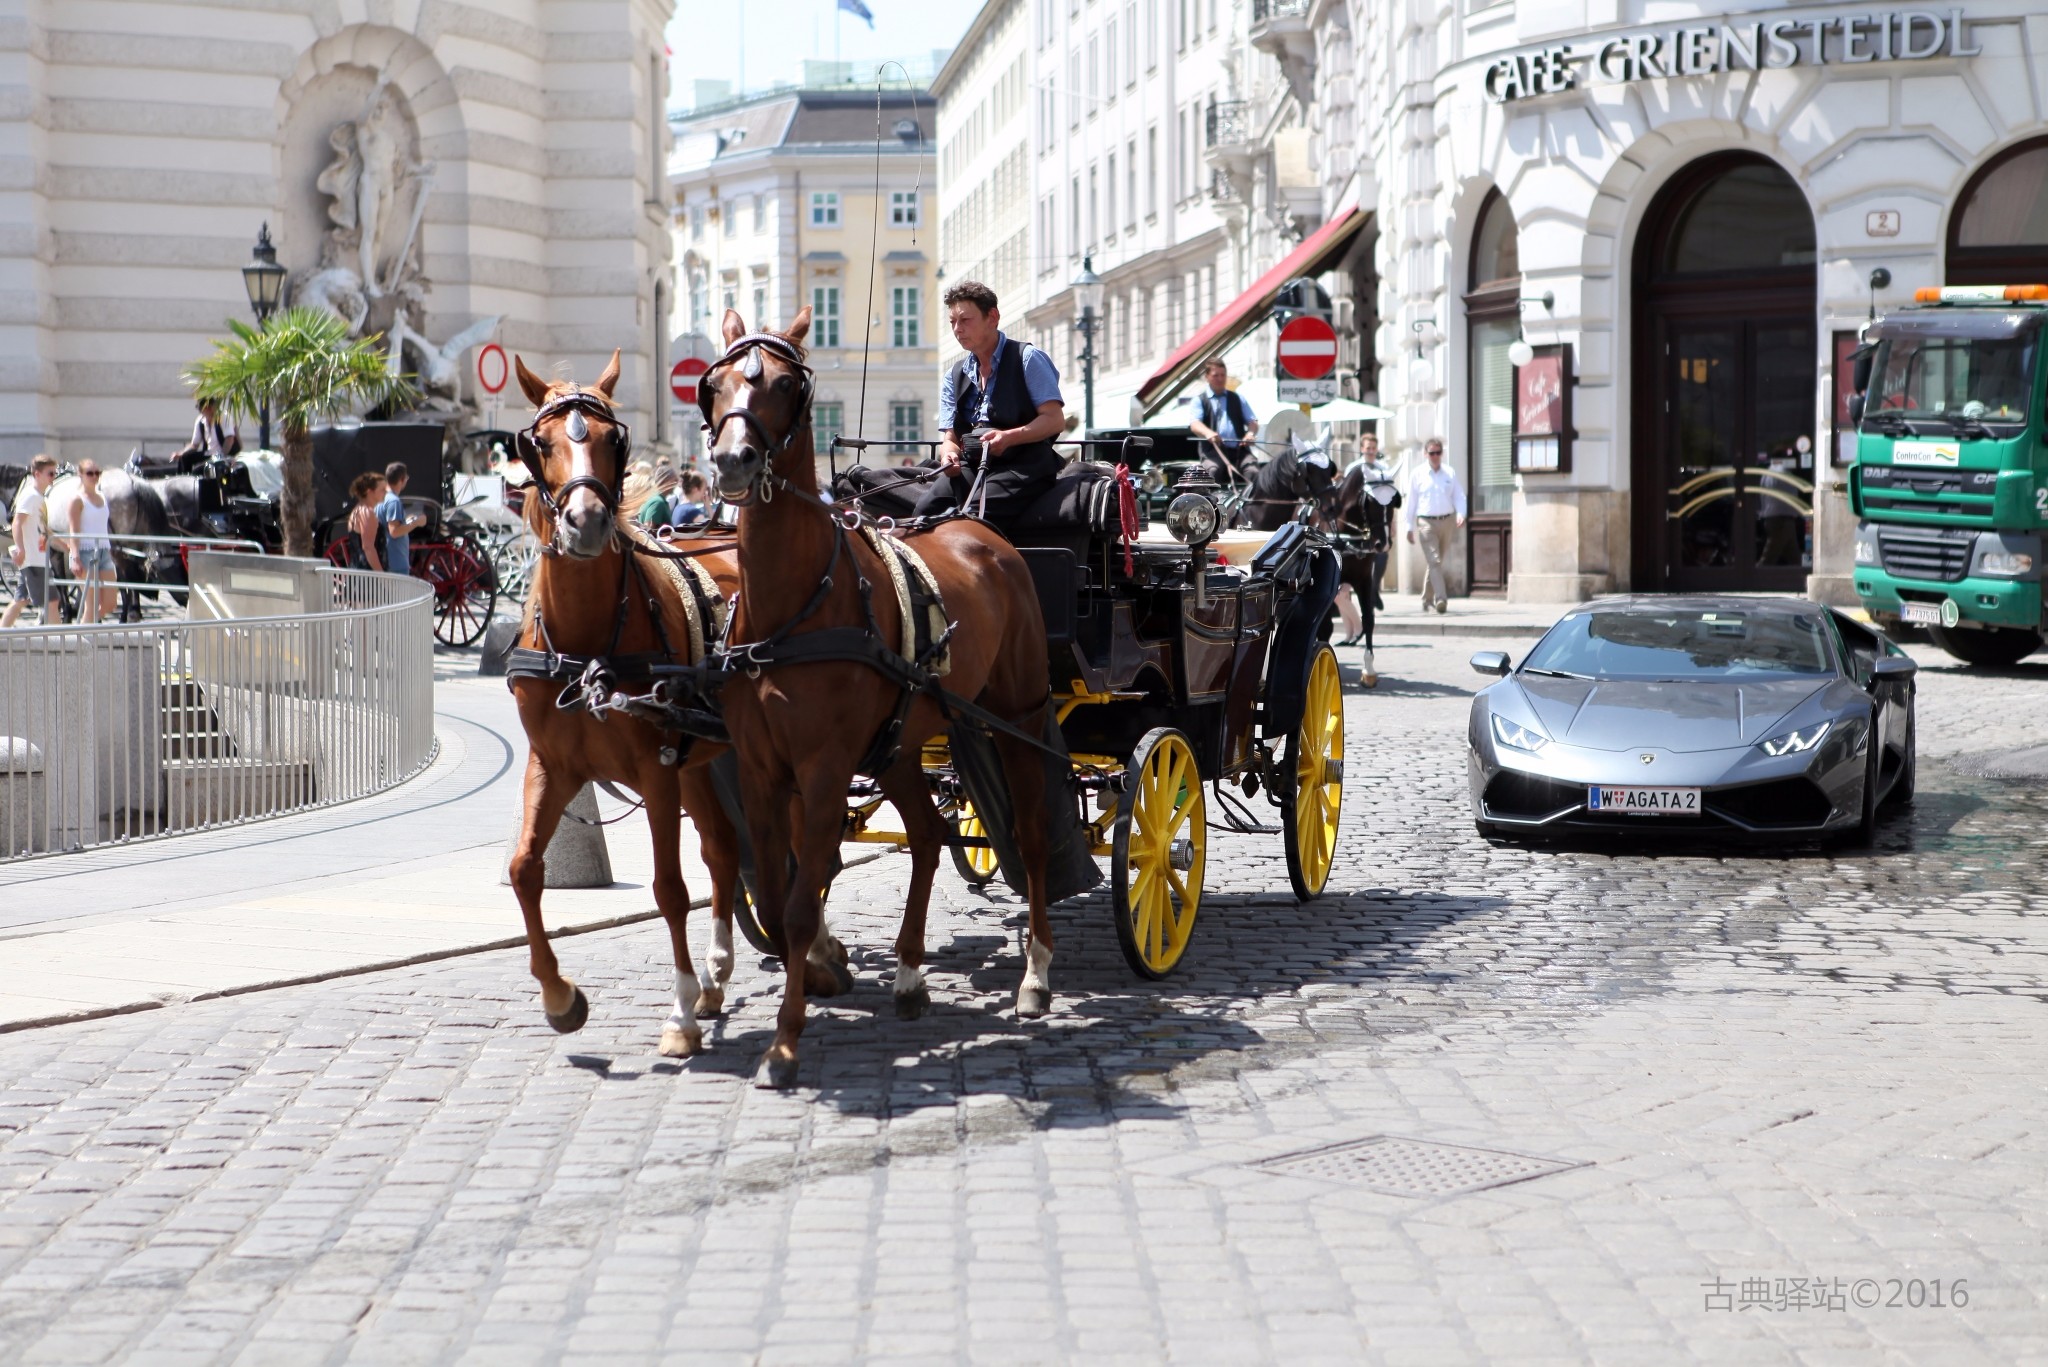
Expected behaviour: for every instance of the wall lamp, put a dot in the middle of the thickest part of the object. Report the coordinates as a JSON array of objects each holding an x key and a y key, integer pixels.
[{"x": 1520, "y": 353}]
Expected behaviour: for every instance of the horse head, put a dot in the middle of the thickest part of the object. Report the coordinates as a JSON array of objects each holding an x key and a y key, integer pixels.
[
  {"x": 756, "y": 401},
  {"x": 576, "y": 449}
]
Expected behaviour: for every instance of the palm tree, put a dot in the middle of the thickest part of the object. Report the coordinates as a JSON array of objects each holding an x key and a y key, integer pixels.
[{"x": 303, "y": 363}]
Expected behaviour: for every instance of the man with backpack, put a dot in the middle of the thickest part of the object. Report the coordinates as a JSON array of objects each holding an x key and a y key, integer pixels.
[{"x": 1226, "y": 423}]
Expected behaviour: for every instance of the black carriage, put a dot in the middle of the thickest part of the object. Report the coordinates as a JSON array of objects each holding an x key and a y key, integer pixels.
[{"x": 1172, "y": 673}]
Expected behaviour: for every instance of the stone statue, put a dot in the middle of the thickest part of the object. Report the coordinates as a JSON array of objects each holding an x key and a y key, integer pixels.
[
  {"x": 339, "y": 291},
  {"x": 371, "y": 172},
  {"x": 440, "y": 367}
]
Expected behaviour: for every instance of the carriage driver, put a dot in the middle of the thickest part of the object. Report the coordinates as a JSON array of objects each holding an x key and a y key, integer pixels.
[{"x": 1007, "y": 394}]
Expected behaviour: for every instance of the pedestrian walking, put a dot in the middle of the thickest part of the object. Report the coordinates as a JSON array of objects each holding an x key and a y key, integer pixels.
[
  {"x": 398, "y": 528},
  {"x": 1226, "y": 425},
  {"x": 91, "y": 550},
  {"x": 368, "y": 539},
  {"x": 29, "y": 527},
  {"x": 1436, "y": 508}
]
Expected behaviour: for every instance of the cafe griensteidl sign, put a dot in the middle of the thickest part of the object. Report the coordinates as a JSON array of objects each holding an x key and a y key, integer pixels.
[{"x": 1767, "y": 44}]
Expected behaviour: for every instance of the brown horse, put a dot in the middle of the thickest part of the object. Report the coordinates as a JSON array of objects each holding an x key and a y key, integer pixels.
[
  {"x": 590, "y": 599},
  {"x": 802, "y": 729}
]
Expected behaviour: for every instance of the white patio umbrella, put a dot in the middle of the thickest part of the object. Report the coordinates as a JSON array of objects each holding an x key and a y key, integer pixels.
[{"x": 1348, "y": 410}]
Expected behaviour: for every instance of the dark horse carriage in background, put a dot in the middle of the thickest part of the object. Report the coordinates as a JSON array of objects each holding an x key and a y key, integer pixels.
[{"x": 1170, "y": 672}]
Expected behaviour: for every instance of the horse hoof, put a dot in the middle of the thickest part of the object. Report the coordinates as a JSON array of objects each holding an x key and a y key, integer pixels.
[
  {"x": 827, "y": 979},
  {"x": 777, "y": 1072},
  {"x": 1369, "y": 680},
  {"x": 912, "y": 1005},
  {"x": 1034, "y": 1001},
  {"x": 677, "y": 1042},
  {"x": 711, "y": 1003},
  {"x": 834, "y": 950},
  {"x": 572, "y": 1020}
]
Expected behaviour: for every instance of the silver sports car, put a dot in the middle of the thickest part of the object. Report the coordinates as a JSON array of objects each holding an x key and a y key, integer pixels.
[{"x": 1770, "y": 716}]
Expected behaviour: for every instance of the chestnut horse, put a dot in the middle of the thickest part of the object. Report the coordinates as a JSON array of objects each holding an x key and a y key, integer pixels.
[
  {"x": 591, "y": 599},
  {"x": 802, "y": 726}
]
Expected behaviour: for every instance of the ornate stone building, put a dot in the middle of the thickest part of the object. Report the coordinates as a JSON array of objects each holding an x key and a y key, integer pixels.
[{"x": 436, "y": 171}]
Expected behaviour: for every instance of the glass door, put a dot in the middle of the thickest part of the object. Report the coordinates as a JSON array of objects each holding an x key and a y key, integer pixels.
[{"x": 1737, "y": 404}]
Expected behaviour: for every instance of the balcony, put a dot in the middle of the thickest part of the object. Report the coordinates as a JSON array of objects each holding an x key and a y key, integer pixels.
[
  {"x": 1281, "y": 29},
  {"x": 1229, "y": 145}
]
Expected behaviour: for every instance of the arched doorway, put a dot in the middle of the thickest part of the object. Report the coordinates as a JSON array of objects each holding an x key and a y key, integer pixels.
[
  {"x": 1998, "y": 234},
  {"x": 1724, "y": 383},
  {"x": 1492, "y": 322}
]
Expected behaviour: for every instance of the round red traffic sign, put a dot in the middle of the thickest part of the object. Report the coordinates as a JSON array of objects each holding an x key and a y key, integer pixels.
[
  {"x": 492, "y": 369},
  {"x": 683, "y": 377},
  {"x": 1308, "y": 348}
]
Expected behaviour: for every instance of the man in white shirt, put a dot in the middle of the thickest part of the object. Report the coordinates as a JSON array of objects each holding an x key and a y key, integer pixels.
[
  {"x": 30, "y": 529},
  {"x": 1435, "y": 503}
]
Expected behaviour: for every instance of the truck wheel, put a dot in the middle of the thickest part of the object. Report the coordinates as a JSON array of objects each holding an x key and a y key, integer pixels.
[{"x": 1992, "y": 647}]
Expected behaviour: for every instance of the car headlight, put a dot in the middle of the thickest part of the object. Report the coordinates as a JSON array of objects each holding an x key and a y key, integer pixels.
[
  {"x": 2005, "y": 564},
  {"x": 1793, "y": 742},
  {"x": 1191, "y": 517},
  {"x": 1518, "y": 737}
]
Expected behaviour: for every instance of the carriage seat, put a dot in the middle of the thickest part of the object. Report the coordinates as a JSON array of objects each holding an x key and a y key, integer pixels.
[{"x": 1082, "y": 498}]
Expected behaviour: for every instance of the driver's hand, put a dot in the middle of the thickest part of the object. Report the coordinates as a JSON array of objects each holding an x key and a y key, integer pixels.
[{"x": 993, "y": 443}]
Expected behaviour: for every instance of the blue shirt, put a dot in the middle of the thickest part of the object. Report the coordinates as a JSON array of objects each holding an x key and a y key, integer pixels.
[
  {"x": 1226, "y": 430},
  {"x": 1041, "y": 381},
  {"x": 398, "y": 549}
]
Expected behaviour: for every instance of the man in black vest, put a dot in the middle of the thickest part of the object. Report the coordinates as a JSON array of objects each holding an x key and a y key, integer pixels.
[
  {"x": 1226, "y": 424},
  {"x": 1006, "y": 393}
]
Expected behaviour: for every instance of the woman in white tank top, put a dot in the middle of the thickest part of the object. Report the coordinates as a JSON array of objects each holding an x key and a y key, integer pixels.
[{"x": 92, "y": 554}]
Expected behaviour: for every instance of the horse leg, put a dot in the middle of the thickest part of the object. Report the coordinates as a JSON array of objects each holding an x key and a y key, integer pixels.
[
  {"x": 719, "y": 845},
  {"x": 681, "y": 1036},
  {"x": 820, "y": 816},
  {"x": 546, "y": 797},
  {"x": 1024, "y": 768},
  {"x": 905, "y": 788},
  {"x": 1362, "y": 588}
]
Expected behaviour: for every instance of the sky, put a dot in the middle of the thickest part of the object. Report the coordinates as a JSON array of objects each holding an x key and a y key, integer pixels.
[{"x": 755, "y": 43}]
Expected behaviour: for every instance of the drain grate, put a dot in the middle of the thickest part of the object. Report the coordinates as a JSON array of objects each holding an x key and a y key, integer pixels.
[{"x": 1394, "y": 1166}]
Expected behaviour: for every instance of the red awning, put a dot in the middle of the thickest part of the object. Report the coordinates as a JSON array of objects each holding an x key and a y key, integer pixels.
[{"x": 1249, "y": 309}]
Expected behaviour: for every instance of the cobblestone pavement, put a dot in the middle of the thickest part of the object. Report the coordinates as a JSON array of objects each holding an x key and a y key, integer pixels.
[{"x": 1802, "y": 1094}]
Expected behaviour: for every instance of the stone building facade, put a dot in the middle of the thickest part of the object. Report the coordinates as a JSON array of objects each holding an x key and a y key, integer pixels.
[
  {"x": 983, "y": 101},
  {"x": 510, "y": 159},
  {"x": 777, "y": 206},
  {"x": 1693, "y": 200}
]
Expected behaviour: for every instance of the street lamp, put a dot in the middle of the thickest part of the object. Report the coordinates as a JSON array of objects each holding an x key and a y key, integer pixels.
[
  {"x": 263, "y": 278},
  {"x": 1088, "y": 297}
]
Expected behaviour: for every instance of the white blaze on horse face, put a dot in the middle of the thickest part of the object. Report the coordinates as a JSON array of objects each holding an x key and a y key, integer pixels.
[{"x": 583, "y": 501}]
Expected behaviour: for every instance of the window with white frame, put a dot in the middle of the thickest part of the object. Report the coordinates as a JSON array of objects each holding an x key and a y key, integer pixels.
[
  {"x": 729, "y": 217},
  {"x": 1094, "y": 68},
  {"x": 1151, "y": 35},
  {"x": 1074, "y": 217},
  {"x": 1130, "y": 184},
  {"x": 1131, "y": 43},
  {"x": 824, "y": 315},
  {"x": 903, "y": 208},
  {"x": 828, "y": 420},
  {"x": 1109, "y": 59},
  {"x": 906, "y": 426},
  {"x": 1152, "y": 171},
  {"x": 729, "y": 291},
  {"x": 904, "y": 317},
  {"x": 696, "y": 223},
  {"x": 700, "y": 301},
  {"x": 1109, "y": 198},
  {"x": 1074, "y": 88},
  {"x": 824, "y": 208},
  {"x": 760, "y": 319},
  {"x": 1142, "y": 316}
]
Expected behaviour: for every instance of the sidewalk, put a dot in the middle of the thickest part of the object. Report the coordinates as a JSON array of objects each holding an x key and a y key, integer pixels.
[
  {"x": 1403, "y": 616},
  {"x": 404, "y": 877}
]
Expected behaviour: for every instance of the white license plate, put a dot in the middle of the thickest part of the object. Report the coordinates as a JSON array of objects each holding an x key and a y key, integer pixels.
[
  {"x": 1644, "y": 801},
  {"x": 1927, "y": 614}
]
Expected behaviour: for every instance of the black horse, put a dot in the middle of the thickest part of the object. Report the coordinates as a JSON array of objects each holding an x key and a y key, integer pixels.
[
  {"x": 1358, "y": 515},
  {"x": 1281, "y": 484}
]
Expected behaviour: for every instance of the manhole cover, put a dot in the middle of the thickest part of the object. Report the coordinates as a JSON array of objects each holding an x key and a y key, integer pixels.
[{"x": 1414, "y": 1167}]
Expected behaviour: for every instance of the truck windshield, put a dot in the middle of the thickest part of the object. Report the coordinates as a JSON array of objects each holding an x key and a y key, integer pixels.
[{"x": 1946, "y": 379}]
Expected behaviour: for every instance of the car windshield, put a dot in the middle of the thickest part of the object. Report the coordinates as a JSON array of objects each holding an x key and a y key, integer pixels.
[
  {"x": 1940, "y": 379},
  {"x": 1700, "y": 643}
]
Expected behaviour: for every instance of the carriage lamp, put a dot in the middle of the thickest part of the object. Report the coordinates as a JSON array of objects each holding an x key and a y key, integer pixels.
[{"x": 1191, "y": 518}]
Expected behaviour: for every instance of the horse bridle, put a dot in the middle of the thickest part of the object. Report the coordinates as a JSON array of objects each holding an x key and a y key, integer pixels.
[
  {"x": 581, "y": 405},
  {"x": 746, "y": 353}
]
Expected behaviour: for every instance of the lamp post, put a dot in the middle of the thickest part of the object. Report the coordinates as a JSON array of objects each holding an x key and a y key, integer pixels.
[
  {"x": 1088, "y": 298},
  {"x": 263, "y": 278}
]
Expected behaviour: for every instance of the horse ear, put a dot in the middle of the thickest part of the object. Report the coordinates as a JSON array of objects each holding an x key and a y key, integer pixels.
[
  {"x": 801, "y": 328},
  {"x": 734, "y": 327},
  {"x": 532, "y": 385},
  {"x": 609, "y": 380}
]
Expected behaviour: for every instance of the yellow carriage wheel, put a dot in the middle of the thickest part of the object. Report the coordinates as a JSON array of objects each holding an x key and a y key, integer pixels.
[
  {"x": 1310, "y": 809},
  {"x": 976, "y": 863},
  {"x": 1159, "y": 851}
]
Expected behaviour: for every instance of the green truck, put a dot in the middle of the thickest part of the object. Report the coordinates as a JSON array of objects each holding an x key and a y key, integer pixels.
[{"x": 1950, "y": 481}]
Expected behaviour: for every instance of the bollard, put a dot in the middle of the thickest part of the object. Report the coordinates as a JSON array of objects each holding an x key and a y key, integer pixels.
[{"x": 576, "y": 857}]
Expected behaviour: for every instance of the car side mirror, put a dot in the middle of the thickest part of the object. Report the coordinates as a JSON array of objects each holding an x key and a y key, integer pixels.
[
  {"x": 1893, "y": 668},
  {"x": 1855, "y": 410},
  {"x": 1494, "y": 662}
]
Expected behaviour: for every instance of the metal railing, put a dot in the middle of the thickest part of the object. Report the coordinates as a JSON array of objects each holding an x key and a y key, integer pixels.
[
  {"x": 1264, "y": 11},
  {"x": 1228, "y": 124},
  {"x": 116, "y": 733}
]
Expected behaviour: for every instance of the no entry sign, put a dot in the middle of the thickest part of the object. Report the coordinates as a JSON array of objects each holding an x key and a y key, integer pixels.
[
  {"x": 1308, "y": 348},
  {"x": 683, "y": 377},
  {"x": 492, "y": 370}
]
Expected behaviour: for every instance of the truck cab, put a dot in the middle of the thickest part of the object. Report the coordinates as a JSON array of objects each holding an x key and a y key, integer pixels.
[{"x": 1950, "y": 481}]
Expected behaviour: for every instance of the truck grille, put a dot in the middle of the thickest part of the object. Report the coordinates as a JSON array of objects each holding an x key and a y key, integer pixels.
[{"x": 1938, "y": 554}]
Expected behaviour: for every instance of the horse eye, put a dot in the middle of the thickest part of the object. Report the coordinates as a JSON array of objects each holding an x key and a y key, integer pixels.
[{"x": 784, "y": 384}]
